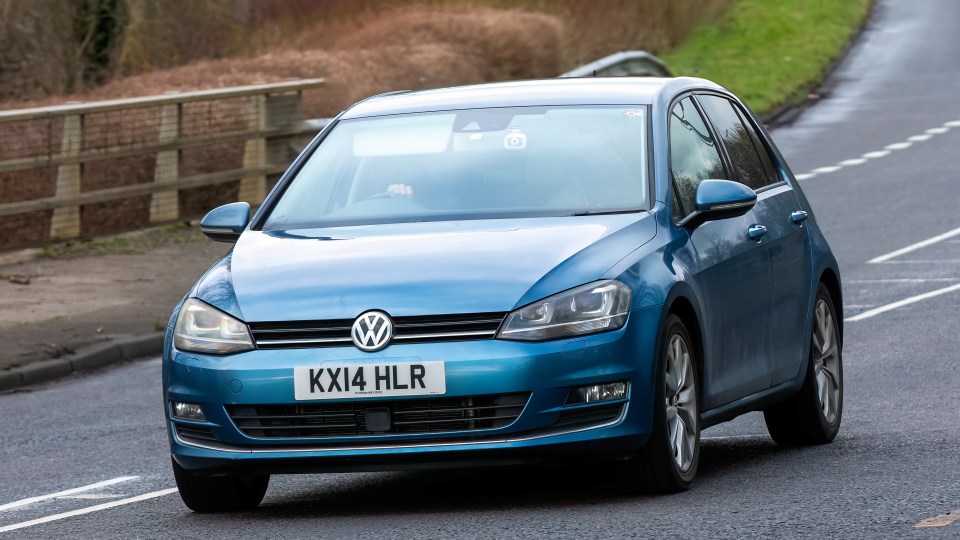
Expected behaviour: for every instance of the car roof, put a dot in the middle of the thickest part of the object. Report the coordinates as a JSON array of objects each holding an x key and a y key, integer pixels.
[{"x": 566, "y": 91}]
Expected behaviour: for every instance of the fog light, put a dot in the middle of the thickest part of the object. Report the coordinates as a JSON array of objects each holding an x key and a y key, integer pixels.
[
  {"x": 188, "y": 411},
  {"x": 598, "y": 392}
]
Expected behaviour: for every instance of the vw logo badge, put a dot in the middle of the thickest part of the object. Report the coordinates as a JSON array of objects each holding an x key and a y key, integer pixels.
[{"x": 372, "y": 331}]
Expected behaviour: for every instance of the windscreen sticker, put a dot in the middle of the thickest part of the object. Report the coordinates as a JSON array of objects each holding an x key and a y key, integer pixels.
[
  {"x": 633, "y": 113},
  {"x": 515, "y": 140}
]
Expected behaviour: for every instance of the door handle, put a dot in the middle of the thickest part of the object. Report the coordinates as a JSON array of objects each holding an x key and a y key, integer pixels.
[
  {"x": 799, "y": 217},
  {"x": 757, "y": 232}
]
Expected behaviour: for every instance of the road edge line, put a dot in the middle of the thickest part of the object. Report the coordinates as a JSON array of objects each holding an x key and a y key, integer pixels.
[{"x": 87, "y": 510}]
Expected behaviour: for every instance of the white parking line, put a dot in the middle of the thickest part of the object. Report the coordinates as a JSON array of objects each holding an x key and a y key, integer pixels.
[
  {"x": 914, "y": 247},
  {"x": 66, "y": 492},
  {"x": 901, "y": 303},
  {"x": 88, "y": 510}
]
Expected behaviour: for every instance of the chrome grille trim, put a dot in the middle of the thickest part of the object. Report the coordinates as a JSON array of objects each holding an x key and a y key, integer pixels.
[{"x": 336, "y": 333}]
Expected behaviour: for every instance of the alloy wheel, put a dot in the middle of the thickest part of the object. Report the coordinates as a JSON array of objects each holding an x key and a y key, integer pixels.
[
  {"x": 681, "y": 402},
  {"x": 826, "y": 361}
]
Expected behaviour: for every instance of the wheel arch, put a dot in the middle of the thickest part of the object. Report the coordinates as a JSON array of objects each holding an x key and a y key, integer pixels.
[
  {"x": 831, "y": 281},
  {"x": 681, "y": 302}
]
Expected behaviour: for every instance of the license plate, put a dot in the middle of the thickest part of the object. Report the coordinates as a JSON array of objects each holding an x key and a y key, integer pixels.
[{"x": 369, "y": 380}]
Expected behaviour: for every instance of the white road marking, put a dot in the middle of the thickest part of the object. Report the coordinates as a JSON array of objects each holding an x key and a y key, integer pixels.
[
  {"x": 94, "y": 496},
  {"x": 852, "y": 162},
  {"x": 940, "y": 521},
  {"x": 902, "y": 280},
  {"x": 916, "y": 246},
  {"x": 898, "y": 146},
  {"x": 923, "y": 261},
  {"x": 927, "y": 135},
  {"x": 88, "y": 510},
  {"x": 66, "y": 492},
  {"x": 905, "y": 302}
]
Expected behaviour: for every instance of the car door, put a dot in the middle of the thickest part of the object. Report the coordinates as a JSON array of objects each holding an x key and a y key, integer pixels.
[
  {"x": 732, "y": 275},
  {"x": 778, "y": 211}
]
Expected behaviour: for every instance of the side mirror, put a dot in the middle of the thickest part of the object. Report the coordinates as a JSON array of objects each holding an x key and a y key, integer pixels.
[
  {"x": 720, "y": 199},
  {"x": 225, "y": 223}
]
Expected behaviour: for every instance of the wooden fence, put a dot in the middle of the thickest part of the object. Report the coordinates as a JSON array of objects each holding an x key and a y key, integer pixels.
[{"x": 56, "y": 163}]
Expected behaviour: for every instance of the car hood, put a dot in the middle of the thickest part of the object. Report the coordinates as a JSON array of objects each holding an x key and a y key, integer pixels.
[{"x": 417, "y": 268}]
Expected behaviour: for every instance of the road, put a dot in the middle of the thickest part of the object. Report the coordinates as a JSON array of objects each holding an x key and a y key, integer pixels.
[{"x": 893, "y": 465}]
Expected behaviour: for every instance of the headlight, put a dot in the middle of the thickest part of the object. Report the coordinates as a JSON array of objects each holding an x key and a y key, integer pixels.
[
  {"x": 591, "y": 308},
  {"x": 204, "y": 328}
]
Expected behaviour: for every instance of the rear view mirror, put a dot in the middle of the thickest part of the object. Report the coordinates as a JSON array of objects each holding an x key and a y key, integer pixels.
[
  {"x": 720, "y": 199},
  {"x": 227, "y": 222}
]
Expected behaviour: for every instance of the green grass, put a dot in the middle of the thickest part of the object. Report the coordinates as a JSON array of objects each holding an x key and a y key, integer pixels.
[{"x": 770, "y": 52}]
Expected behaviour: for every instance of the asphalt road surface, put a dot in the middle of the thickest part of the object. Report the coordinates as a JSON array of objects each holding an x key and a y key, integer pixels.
[{"x": 879, "y": 157}]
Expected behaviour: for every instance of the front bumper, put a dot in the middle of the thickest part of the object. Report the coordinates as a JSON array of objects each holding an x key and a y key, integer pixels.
[{"x": 547, "y": 371}]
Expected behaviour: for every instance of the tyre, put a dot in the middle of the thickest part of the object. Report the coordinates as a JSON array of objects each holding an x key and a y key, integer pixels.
[
  {"x": 668, "y": 462},
  {"x": 813, "y": 415},
  {"x": 219, "y": 493}
]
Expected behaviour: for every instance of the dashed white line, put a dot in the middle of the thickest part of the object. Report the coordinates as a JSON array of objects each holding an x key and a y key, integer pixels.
[
  {"x": 905, "y": 302},
  {"x": 925, "y": 136},
  {"x": 916, "y": 246},
  {"x": 66, "y": 492},
  {"x": 88, "y": 510},
  {"x": 898, "y": 146},
  {"x": 852, "y": 162}
]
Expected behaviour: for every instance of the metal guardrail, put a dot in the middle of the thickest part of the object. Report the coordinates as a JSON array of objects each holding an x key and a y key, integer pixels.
[{"x": 623, "y": 64}]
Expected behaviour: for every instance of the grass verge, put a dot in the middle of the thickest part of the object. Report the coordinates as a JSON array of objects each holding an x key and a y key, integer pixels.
[{"x": 770, "y": 52}]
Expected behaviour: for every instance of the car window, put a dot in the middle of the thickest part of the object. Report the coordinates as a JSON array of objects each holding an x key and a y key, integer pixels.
[
  {"x": 471, "y": 164},
  {"x": 693, "y": 155},
  {"x": 740, "y": 141}
]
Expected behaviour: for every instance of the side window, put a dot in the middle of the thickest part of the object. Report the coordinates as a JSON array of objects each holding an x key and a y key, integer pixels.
[
  {"x": 693, "y": 155},
  {"x": 752, "y": 163}
]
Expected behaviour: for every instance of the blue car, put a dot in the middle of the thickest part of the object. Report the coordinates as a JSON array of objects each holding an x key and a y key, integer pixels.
[{"x": 508, "y": 273}]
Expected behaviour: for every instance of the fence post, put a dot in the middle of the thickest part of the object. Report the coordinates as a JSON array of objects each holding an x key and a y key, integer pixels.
[
  {"x": 66, "y": 221},
  {"x": 165, "y": 205},
  {"x": 254, "y": 188},
  {"x": 272, "y": 111}
]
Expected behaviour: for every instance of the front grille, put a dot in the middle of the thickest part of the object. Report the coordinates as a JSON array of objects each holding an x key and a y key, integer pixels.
[
  {"x": 348, "y": 418},
  {"x": 336, "y": 333},
  {"x": 589, "y": 416}
]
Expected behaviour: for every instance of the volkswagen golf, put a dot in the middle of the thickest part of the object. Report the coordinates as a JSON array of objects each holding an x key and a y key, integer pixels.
[{"x": 509, "y": 273}]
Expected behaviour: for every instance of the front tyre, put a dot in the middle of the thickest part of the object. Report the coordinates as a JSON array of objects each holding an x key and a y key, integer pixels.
[
  {"x": 669, "y": 461},
  {"x": 219, "y": 493},
  {"x": 813, "y": 415}
]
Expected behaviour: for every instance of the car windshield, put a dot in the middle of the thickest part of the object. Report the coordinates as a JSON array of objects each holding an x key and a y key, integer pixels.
[{"x": 471, "y": 164}]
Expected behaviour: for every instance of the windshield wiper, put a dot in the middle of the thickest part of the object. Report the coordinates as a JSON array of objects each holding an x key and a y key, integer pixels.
[{"x": 604, "y": 212}]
